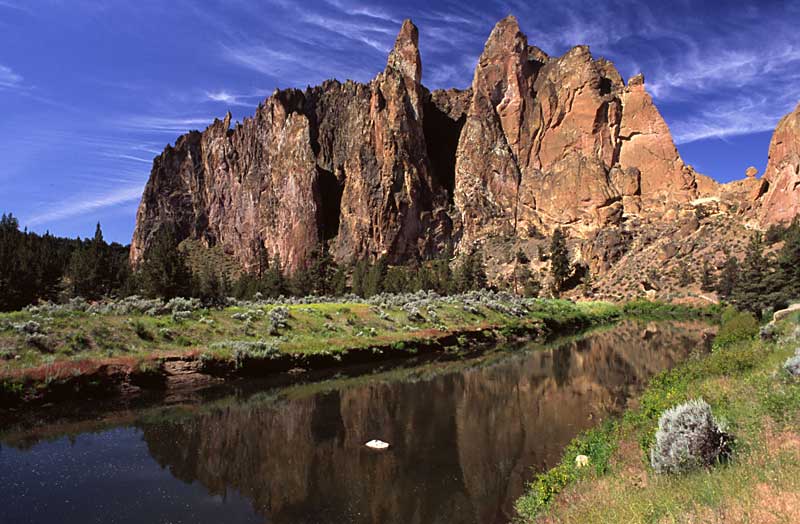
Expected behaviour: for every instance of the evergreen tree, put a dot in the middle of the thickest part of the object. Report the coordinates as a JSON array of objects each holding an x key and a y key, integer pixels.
[
  {"x": 273, "y": 282},
  {"x": 707, "y": 278},
  {"x": 471, "y": 273},
  {"x": 427, "y": 277},
  {"x": 443, "y": 275},
  {"x": 301, "y": 283},
  {"x": 559, "y": 261},
  {"x": 751, "y": 291},
  {"x": 164, "y": 272},
  {"x": 685, "y": 277},
  {"x": 521, "y": 273},
  {"x": 37, "y": 267},
  {"x": 89, "y": 270},
  {"x": 728, "y": 277},
  {"x": 211, "y": 287},
  {"x": 532, "y": 287},
  {"x": 360, "y": 271},
  {"x": 373, "y": 283},
  {"x": 787, "y": 271},
  {"x": 322, "y": 268},
  {"x": 398, "y": 280},
  {"x": 246, "y": 286},
  {"x": 339, "y": 281}
]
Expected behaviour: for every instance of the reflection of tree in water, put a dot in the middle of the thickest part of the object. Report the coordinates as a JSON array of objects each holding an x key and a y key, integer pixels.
[
  {"x": 463, "y": 442},
  {"x": 561, "y": 361}
]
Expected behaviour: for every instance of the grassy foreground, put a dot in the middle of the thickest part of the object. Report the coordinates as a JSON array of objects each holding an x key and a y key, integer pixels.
[
  {"x": 48, "y": 344},
  {"x": 744, "y": 382}
]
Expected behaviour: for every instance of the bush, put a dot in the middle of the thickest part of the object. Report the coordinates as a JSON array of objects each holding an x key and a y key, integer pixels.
[
  {"x": 244, "y": 350},
  {"x": 736, "y": 326},
  {"x": 141, "y": 330},
  {"x": 792, "y": 365},
  {"x": 688, "y": 437},
  {"x": 39, "y": 341},
  {"x": 30, "y": 327}
]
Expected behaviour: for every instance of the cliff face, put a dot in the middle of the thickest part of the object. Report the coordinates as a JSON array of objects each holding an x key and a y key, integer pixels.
[
  {"x": 780, "y": 189},
  {"x": 390, "y": 169},
  {"x": 341, "y": 161}
]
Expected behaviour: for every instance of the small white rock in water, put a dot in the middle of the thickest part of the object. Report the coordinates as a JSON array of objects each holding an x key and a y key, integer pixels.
[
  {"x": 581, "y": 461},
  {"x": 377, "y": 444}
]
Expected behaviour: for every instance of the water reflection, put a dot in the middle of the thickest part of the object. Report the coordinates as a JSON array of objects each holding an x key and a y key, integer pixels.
[{"x": 464, "y": 438}]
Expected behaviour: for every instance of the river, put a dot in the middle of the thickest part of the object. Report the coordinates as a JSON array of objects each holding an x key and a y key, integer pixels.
[{"x": 465, "y": 437}]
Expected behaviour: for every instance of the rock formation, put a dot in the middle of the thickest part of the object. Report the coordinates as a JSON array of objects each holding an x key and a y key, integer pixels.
[
  {"x": 388, "y": 168},
  {"x": 780, "y": 190},
  {"x": 345, "y": 161}
]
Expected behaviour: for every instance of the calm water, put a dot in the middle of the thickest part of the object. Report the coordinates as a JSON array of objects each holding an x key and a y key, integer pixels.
[{"x": 465, "y": 438}]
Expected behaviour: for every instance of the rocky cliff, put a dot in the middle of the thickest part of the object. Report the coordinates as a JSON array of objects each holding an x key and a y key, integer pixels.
[
  {"x": 780, "y": 189},
  {"x": 391, "y": 169}
]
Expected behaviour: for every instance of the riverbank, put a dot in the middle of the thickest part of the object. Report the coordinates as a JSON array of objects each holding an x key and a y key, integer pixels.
[
  {"x": 52, "y": 353},
  {"x": 743, "y": 381}
]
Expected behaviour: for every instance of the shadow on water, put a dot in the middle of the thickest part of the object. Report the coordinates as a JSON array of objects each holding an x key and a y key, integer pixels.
[{"x": 465, "y": 438}]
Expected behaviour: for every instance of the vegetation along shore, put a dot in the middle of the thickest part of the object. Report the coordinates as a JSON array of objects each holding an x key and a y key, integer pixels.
[
  {"x": 713, "y": 440},
  {"x": 54, "y": 352}
]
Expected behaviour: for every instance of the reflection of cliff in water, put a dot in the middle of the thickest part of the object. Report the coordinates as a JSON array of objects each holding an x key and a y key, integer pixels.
[{"x": 463, "y": 443}]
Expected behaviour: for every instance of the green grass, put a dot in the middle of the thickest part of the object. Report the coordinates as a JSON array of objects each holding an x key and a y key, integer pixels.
[
  {"x": 742, "y": 379},
  {"x": 73, "y": 337}
]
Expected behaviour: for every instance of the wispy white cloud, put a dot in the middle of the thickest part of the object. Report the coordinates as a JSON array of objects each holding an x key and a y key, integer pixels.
[
  {"x": 122, "y": 156},
  {"x": 7, "y": 4},
  {"x": 8, "y": 78},
  {"x": 235, "y": 99},
  {"x": 157, "y": 124},
  {"x": 742, "y": 115},
  {"x": 84, "y": 204}
]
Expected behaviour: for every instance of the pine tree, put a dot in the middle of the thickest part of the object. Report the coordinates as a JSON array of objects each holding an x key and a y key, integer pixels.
[
  {"x": 685, "y": 277},
  {"x": 339, "y": 281},
  {"x": 787, "y": 271},
  {"x": 302, "y": 283},
  {"x": 533, "y": 287},
  {"x": 751, "y": 291},
  {"x": 321, "y": 269},
  {"x": 443, "y": 275},
  {"x": 164, "y": 271},
  {"x": 707, "y": 278},
  {"x": 728, "y": 277},
  {"x": 521, "y": 273},
  {"x": 273, "y": 282},
  {"x": 559, "y": 261},
  {"x": 89, "y": 270},
  {"x": 373, "y": 284},
  {"x": 471, "y": 273},
  {"x": 360, "y": 271},
  {"x": 426, "y": 277}
]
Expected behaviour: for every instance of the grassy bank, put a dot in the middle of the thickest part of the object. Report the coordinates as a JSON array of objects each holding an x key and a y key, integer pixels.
[
  {"x": 744, "y": 382},
  {"x": 48, "y": 346}
]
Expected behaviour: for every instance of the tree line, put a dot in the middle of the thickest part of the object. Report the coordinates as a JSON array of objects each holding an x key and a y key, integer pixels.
[
  {"x": 37, "y": 267},
  {"x": 765, "y": 278}
]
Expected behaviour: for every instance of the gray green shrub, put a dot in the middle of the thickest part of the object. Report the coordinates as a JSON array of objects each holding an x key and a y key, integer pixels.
[{"x": 689, "y": 437}]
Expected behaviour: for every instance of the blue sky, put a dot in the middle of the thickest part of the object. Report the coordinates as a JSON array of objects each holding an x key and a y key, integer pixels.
[{"x": 92, "y": 90}]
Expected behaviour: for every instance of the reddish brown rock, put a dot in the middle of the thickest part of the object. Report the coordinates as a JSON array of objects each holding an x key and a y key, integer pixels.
[
  {"x": 780, "y": 193},
  {"x": 254, "y": 185},
  {"x": 647, "y": 145},
  {"x": 340, "y": 162},
  {"x": 388, "y": 168}
]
